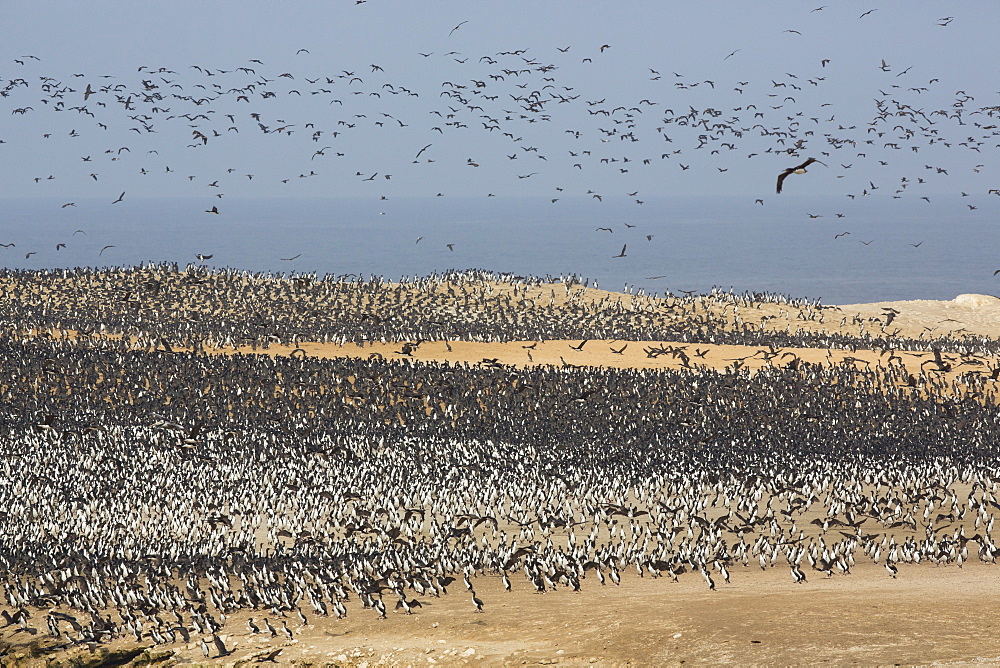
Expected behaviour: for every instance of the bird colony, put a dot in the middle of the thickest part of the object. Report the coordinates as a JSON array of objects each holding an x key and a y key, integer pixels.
[{"x": 153, "y": 488}]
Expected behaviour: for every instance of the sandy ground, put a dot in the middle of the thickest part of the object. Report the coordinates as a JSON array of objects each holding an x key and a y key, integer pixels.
[
  {"x": 600, "y": 353},
  {"x": 926, "y": 615},
  {"x": 867, "y": 617},
  {"x": 966, "y": 315}
]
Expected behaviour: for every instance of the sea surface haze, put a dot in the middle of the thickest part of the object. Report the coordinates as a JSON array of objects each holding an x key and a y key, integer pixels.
[{"x": 895, "y": 250}]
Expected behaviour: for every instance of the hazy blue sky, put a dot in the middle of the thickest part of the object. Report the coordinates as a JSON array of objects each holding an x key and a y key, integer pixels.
[{"x": 618, "y": 121}]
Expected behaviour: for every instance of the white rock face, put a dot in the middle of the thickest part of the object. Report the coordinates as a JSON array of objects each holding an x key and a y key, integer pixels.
[{"x": 976, "y": 301}]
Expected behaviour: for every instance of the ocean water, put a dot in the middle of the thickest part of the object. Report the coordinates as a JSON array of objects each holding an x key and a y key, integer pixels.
[{"x": 916, "y": 249}]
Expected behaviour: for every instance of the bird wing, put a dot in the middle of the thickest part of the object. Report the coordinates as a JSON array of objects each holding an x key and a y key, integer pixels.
[{"x": 781, "y": 178}]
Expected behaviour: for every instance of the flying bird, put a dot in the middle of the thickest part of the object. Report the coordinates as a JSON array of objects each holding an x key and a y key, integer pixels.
[
  {"x": 799, "y": 169},
  {"x": 457, "y": 27}
]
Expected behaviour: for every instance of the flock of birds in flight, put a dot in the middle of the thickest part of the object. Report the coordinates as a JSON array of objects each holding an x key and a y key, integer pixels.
[{"x": 508, "y": 108}]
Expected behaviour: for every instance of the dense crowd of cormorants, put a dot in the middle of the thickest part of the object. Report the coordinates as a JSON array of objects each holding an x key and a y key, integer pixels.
[
  {"x": 196, "y": 306},
  {"x": 151, "y": 491}
]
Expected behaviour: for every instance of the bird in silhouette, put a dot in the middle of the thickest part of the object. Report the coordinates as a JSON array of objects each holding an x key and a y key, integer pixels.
[
  {"x": 269, "y": 657},
  {"x": 798, "y": 169},
  {"x": 221, "y": 646}
]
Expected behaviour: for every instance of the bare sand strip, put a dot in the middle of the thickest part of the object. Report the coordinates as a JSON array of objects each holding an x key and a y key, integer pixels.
[
  {"x": 600, "y": 354},
  {"x": 927, "y": 615},
  {"x": 966, "y": 315}
]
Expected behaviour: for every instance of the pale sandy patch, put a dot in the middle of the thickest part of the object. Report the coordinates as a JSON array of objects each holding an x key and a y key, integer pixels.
[{"x": 926, "y": 615}]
